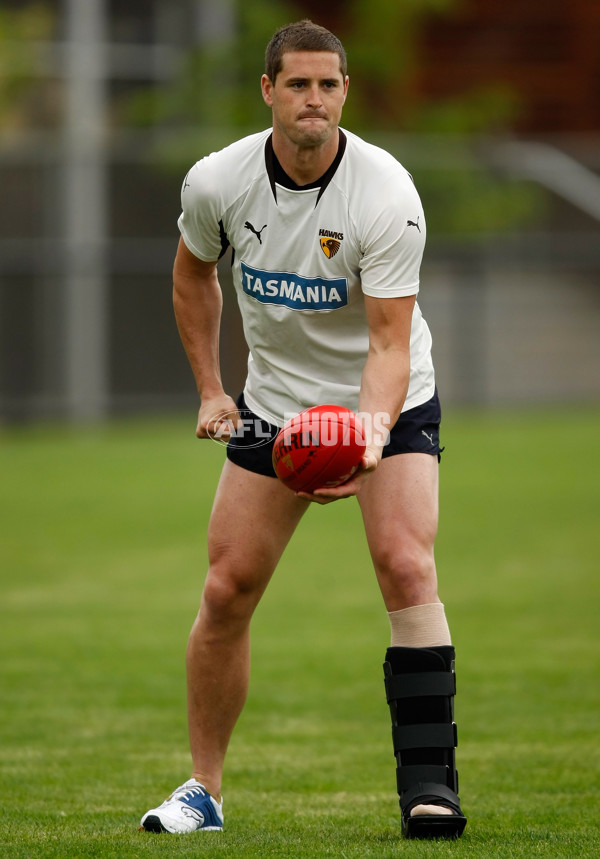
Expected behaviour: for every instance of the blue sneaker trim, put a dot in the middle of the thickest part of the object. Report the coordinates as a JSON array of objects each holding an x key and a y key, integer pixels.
[{"x": 202, "y": 802}]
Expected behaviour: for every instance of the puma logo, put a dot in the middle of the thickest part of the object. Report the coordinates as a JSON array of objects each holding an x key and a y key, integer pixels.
[
  {"x": 427, "y": 436},
  {"x": 257, "y": 233},
  {"x": 414, "y": 224}
]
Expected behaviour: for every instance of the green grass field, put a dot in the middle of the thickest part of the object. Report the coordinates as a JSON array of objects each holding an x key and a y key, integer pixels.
[{"x": 101, "y": 566}]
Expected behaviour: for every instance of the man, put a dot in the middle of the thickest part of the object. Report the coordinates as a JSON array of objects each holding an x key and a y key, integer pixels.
[{"x": 309, "y": 204}]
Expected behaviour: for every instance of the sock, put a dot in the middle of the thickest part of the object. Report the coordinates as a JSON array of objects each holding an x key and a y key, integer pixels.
[{"x": 420, "y": 626}]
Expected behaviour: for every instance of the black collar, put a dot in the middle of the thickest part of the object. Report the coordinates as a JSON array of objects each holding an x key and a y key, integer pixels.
[{"x": 278, "y": 176}]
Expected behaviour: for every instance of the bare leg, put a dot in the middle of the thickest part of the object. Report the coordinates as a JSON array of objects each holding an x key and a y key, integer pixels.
[
  {"x": 252, "y": 521},
  {"x": 399, "y": 505}
]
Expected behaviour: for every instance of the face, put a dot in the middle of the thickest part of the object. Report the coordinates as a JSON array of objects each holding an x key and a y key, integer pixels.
[{"x": 307, "y": 97}]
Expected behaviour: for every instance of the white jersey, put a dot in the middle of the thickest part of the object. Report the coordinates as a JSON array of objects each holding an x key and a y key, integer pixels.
[{"x": 303, "y": 260}]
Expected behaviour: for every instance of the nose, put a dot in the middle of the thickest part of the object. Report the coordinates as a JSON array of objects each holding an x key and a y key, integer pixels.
[{"x": 313, "y": 97}]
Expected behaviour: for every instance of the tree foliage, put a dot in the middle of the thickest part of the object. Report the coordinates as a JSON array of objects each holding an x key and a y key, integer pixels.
[{"x": 20, "y": 29}]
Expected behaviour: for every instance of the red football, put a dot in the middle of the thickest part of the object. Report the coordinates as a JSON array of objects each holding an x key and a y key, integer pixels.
[{"x": 319, "y": 447}]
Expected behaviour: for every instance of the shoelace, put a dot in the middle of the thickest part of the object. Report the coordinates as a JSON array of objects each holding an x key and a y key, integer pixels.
[{"x": 184, "y": 792}]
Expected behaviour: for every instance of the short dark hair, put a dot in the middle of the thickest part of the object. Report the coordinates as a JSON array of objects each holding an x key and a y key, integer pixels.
[{"x": 301, "y": 36}]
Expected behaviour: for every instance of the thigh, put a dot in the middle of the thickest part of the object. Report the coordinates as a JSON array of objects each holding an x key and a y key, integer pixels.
[
  {"x": 252, "y": 521},
  {"x": 399, "y": 504}
]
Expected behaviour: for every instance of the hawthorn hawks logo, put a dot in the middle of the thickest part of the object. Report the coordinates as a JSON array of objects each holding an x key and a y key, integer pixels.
[{"x": 330, "y": 242}]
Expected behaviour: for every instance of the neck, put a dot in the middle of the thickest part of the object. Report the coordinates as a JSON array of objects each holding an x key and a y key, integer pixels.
[{"x": 305, "y": 164}]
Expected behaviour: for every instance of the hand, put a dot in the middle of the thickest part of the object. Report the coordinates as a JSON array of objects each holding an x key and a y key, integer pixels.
[
  {"x": 327, "y": 494},
  {"x": 218, "y": 417}
]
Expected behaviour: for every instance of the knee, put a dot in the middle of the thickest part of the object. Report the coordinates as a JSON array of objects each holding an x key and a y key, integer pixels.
[
  {"x": 407, "y": 570},
  {"x": 231, "y": 590},
  {"x": 225, "y": 595}
]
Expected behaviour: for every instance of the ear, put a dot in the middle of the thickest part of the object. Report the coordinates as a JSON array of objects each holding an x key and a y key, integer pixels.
[
  {"x": 267, "y": 90},
  {"x": 346, "y": 84}
]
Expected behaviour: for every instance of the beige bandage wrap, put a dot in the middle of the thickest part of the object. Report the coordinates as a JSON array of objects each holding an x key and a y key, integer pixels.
[{"x": 420, "y": 626}]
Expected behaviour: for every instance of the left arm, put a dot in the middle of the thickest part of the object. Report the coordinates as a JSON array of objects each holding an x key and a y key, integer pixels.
[
  {"x": 386, "y": 373},
  {"x": 384, "y": 384}
]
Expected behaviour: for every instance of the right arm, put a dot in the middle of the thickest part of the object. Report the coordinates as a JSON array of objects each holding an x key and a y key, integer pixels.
[{"x": 198, "y": 301}]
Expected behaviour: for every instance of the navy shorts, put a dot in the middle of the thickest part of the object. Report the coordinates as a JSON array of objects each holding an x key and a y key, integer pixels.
[{"x": 416, "y": 431}]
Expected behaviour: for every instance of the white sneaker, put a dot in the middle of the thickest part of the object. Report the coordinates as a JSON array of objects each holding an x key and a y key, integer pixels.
[{"x": 188, "y": 808}]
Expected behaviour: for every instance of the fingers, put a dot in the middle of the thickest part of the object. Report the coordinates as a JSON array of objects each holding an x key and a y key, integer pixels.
[
  {"x": 220, "y": 427},
  {"x": 325, "y": 495},
  {"x": 217, "y": 419}
]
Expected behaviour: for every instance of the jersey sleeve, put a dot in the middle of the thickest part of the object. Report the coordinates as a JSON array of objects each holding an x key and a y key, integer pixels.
[
  {"x": 200, "y": 222},
  {"x": 393, "y": 240}
]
